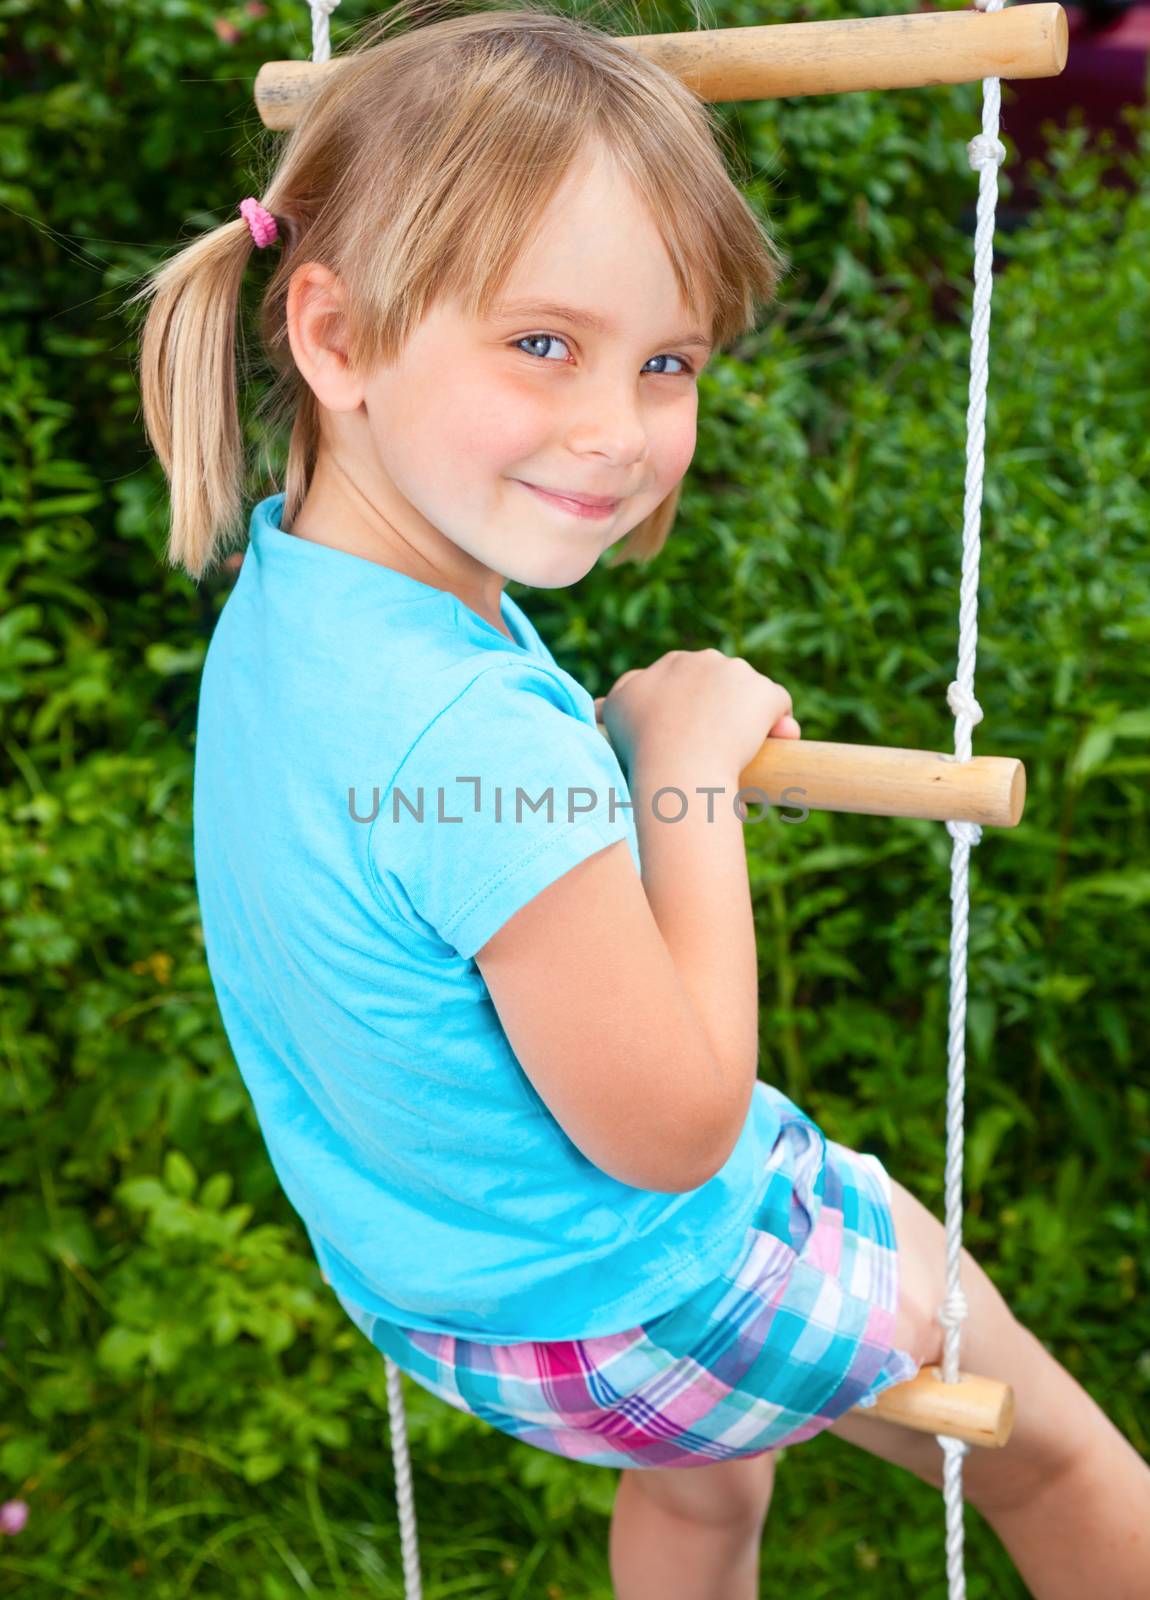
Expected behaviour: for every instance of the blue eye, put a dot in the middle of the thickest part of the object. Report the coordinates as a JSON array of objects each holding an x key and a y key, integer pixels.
[{"x": 545, "y": 338}]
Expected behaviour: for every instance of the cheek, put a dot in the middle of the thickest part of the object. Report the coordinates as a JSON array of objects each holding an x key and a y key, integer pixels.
[
  {"x": 676, "y": 443},
  {"x": 491, "y": 424}
]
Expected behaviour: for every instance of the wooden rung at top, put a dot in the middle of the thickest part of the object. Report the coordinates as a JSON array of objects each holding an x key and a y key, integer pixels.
[
  {"x": 976, "y": 1410},
  {"x": 873, "y": 780},
  {"x": 776, "y": 60}
]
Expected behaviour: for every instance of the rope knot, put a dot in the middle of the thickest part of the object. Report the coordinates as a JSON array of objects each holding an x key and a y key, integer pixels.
[
  {"x": 322, "y": 8},
  {"x": 985, "y": 151},
  {"x": 968, "y": 833},
  {"x": 962, "y": 702},
  {"x": 952, "y": 1312}
]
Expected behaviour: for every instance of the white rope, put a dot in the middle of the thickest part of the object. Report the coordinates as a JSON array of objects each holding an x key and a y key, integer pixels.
[
  {"x": 321, "y": 10},
  {"x": 986, "y": 154},
  {"x": 404, "y": 1497}
]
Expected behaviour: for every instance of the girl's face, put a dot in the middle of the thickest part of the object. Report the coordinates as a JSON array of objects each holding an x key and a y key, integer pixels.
[{"x": 444, "y": 446}]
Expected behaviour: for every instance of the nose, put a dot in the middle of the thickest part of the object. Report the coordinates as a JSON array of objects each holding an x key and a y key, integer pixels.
[{"x": 610, "y": 423}]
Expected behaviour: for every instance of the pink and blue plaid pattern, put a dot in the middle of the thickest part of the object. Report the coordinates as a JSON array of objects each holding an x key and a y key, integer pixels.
[{"x": 795, "y": 1333}]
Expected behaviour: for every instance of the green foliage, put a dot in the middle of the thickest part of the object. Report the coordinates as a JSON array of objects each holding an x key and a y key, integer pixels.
[{"x": 186, "y": 1408}]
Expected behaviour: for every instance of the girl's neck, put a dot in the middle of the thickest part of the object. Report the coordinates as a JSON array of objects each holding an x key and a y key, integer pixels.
[{"x": 353, "y": 524}]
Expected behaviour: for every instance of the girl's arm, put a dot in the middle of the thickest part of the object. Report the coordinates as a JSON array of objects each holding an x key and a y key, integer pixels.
[
  {"x": 697, "y": 885},
  {"x": 631, "y": 1003}
]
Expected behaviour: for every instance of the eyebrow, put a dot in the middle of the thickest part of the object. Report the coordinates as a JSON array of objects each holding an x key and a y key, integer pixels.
[{"x": 587, "y": 319}]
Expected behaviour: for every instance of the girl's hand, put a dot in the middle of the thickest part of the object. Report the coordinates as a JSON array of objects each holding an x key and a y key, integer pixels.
[
  {"x": 697, "y": 701},
  {"x": 785, "y": 728}
]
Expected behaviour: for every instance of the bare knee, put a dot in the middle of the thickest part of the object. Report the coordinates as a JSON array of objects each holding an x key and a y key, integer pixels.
[{"x": 733, "y": 1494}]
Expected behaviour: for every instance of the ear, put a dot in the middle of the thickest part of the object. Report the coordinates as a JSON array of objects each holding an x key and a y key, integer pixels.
[{"x": 316, "y": 326}]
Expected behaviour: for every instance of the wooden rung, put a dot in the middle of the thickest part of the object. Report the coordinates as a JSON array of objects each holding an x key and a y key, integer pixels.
[
  {"x": 877, "y": 781},
  {"x": 882, "y": 781},
  {"x": 764, "y": 62},
  {"x": 977, "y": 1410}
]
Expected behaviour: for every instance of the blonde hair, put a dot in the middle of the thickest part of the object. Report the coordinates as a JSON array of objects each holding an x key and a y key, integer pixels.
[{"x": 420, "y": 170}]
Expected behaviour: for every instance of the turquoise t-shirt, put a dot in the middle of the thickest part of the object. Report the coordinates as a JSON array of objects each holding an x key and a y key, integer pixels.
[{"x": 437, "y": 1189}]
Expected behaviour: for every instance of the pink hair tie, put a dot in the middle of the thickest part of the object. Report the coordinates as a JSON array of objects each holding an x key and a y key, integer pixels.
[{"x": 261, "y": 223}]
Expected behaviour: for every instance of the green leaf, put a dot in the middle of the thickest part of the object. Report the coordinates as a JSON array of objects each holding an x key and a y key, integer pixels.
[
  {"x": 982, "y": 1142},
  {"x": 141, "y": 1194},
  {"x": 216, "y": 1191},
  {"x": 258, "y": 1469},
  {"x": 122, "y": 1350},
  {"x": 170, "y": 661},
  {"x": 22, "y": 1454},
  {"x": 179, "y": 1175}
]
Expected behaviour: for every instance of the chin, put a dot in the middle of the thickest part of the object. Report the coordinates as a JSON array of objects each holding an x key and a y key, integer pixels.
[{"x": 561, "y": 573}]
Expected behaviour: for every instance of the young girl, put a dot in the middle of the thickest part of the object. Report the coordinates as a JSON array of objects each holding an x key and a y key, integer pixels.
[{"x": 493, "y": 994}]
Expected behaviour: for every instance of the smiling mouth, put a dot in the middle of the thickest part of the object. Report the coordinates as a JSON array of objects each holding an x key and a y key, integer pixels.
[{"x": 584, "y": 505}]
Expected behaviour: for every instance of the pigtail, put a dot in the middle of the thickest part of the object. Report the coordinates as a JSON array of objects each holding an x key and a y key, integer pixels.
[{"x": 187, "y": 376}]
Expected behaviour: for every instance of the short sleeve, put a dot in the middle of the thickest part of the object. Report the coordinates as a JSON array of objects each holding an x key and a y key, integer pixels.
[{"x": 509, "y": 787}]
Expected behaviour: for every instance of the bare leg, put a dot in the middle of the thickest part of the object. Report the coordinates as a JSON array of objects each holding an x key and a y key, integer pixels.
[
  {"x": 690, "y": 1533},
  {"x": 1069, "y": 1496}
]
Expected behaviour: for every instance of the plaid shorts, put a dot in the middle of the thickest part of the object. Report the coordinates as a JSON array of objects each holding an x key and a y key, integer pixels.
[{"x": 793, "y": 1334}]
